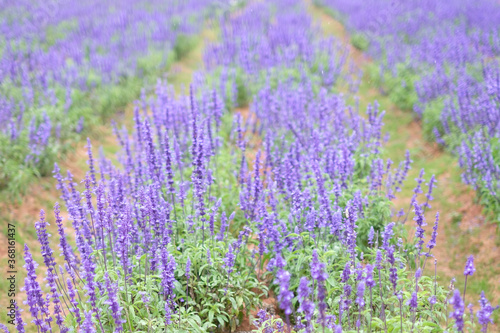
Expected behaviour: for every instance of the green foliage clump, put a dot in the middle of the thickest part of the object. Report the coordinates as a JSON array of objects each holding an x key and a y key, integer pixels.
[
  {"x": 184, "y": 44},
  {"x": 360, "y": 41}
]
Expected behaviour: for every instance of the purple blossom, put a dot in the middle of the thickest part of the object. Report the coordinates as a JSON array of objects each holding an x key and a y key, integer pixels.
[
  {"x": 229, "y": 259},
  {"x": 428, "y": 195},
  {"x": 318, "y": 268},
  {"x": 370, "y": 236},
  {"x": 168, "y": 313},
  {"x": 346, "y": 273},
  {"x": 418, "y": 274},
  {"x": 90, "y": 162},
  {"x": 413, "y": 301},
  {"x": 458, "y": 310},
  {"x": 285, "y": 295},
  {"x": 387, "y": 235},
  {"x": 19, "y": 320},
  {"x": 168, "y": 265},
  {"x": 188, "y": 268},
  {"x": 88, "y": 325},
  {"x": 360, "y": 295},
  {"x": 39, "y": 307},
  {"x": 378, "y": 259},
  {"x": 419, "y": 231},
  {"x": 306, "y": 306},
  {"x": 469, "y": 266},
  {"x": 209, "y": 261},
  {"x": 72, "y": 299},
  {"x": 484, "y": 313},
  {"x": 113, "y": 302},
  {"x": 369, "y": 276},
  {"x": 432, "y": 241}
]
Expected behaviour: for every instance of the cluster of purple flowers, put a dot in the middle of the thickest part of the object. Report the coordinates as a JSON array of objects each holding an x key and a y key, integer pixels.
[
  {"x": 59, "y": 55},
  {"x": 452, "y": 50}
]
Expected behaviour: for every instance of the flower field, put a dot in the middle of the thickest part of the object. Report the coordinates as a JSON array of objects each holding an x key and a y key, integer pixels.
[{"x": 250, "y": 166}]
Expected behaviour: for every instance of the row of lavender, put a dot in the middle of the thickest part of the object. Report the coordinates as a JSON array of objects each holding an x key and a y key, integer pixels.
[
  {"x": 441, "y": 60},
  {"x": 62, "y": 65},
  {"x": 208, "y": 209}
]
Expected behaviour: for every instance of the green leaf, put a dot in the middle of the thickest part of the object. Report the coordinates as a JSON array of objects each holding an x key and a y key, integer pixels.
[
  {"x": 211, "y": 316},
  {"x": 221, "y": 320}
]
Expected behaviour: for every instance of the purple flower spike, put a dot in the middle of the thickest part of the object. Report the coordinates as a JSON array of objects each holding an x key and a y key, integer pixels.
[
  {"x": 318, "y": 268},
  {"x": 19, "y": 320},
  {"x": 432, "y": 241},
  {"x": 360, "y": 295},
  {"x": 229, "y": 259},
  {"x": 413, "y": 301},
  {"x": 88, "y": 325},
  {"x": 188, "y": 268},
  {"x": 35, "y": 300},
  {"x": 306, "y": 305},
  {"x": 113, "y": 302},
  {"x": 484, "y": 314},
  {"x": 469, "y": 266},
  {"x": 370, "y": 235},
  {"x": 458, "y": 310},
  {"x": 285, "y": 296}
]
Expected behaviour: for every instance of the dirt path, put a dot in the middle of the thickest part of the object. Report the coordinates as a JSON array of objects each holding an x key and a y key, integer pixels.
[{"x": 462, "y": 229}]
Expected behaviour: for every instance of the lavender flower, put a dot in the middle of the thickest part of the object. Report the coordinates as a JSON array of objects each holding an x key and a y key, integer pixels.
[
  {"x": 469, "y": 271},
  {"x": 413, "y": 301},
  {"x": 168, "y": 266},
  {"x": 458, "y": 310},
  {"x": 168, "y": 314},
  {"x": 370, "y": 236},
  {"x": 90, "y": 162},
  {"x": 360, "y": 295},
  {"x": 306, "y": 306},
  {"x": 113, "y": 302},
  {"x": 469, "y": 266},
  {"x": 387, "y": 235},
  {"x": 19, "y": 320},
  {"x": 188, "y": 268},
  {"x": 39, "y": 307},
  {"x": 484, "y": 313},
  {"x": 419, "y": 231},
  {"x": 209, "y": 261},
  {"x": 428, "y": 195},
  {"x": 369, "y": 276},
  {"x": 72, "y": 299},
  {"x": 318, "y": 268},
  {"x": 285, "y": 296},
  {"x": 432, "y": 241},
  {"x": 229, "y": 260},
  {"x": 88, "y": 325}
]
